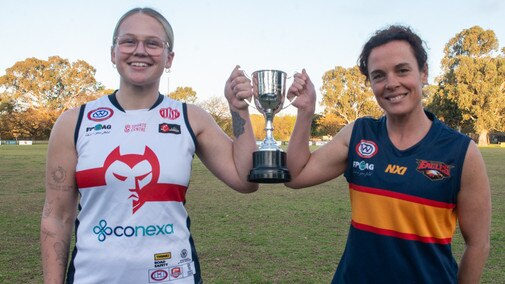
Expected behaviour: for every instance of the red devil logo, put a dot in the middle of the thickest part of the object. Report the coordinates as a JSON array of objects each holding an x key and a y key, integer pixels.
[{"x": 137, "y": 173}]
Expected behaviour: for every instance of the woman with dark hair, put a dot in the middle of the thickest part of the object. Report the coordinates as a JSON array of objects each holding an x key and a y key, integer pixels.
[{"x": 411, "y": 178}]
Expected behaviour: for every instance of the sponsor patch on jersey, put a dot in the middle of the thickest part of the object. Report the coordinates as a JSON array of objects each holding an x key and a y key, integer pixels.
[
  {"x": 169, "y": 128},
  {"x": 176, "y": 272},
  {"x": 434, "y": 170},
  {"x": 104, "y": 231},
  {"x": 160, "y": 259},
  {"x": 163, "y": 256},
  {"x": 366, "y": 149},
  {"x": 171, "y": 273},
  {"x": 139, "y": 127},
  {"x": 363, "y": 168},
  {"x": 158, "y": 275},
  {"x": 184, "y": 257},
  {"x": 100, "y": 114},
  {"x": 170, "y": 113},
  {"x": 98, "y": 129},
  {"x": 395, "y": 169}
]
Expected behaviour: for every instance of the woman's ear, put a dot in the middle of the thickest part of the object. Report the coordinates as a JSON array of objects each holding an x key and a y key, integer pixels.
[
  {"x": 424, "y": 74},
  {"x": 170, "y": 58},
  {"x": 112, "y": 55}
]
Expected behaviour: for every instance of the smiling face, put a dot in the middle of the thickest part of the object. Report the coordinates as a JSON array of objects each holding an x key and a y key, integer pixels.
[
  {"x": 139, "y": 68},
  {"x": 395, "y": 77}
]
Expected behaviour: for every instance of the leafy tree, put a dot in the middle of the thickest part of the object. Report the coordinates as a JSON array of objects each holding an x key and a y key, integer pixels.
[
  {"x": 283, "y": 126},
  {"x": 35, "y": 92},
  {"x": 217, "y": 107},
  {"x": 184, "y": 94},
  {"x": 471, "y": 91},
  {"x": 316, "y": 130},
  {"x": 258, "y": 125},
  {"x": 329, "y": 124},
  {"x": 346, "y": 97}
]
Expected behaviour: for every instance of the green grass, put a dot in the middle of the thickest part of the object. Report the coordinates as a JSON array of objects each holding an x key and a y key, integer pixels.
[{"x": 276, "y": 235}]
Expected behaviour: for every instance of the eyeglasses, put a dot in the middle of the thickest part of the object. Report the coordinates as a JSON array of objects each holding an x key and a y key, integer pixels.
[{"x": 153, "y": 45}]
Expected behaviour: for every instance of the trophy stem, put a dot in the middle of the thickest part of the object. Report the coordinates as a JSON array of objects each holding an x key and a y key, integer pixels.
[{"x": 269, "y": 143}]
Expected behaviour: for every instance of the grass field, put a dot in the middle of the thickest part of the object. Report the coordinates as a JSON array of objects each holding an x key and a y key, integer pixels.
[{"x": 276, "y": 235}]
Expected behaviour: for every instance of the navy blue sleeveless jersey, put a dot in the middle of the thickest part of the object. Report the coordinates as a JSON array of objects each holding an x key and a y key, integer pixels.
[{"x": 403, "y": 206}]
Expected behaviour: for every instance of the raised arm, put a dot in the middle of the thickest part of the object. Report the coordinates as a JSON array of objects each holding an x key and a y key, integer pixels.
[
  {"x": 229, "y": 159},
  {"x": 325, "y": 163},
  {"x": 60, "y": 206},
  {"x": 474, "y": 214}
]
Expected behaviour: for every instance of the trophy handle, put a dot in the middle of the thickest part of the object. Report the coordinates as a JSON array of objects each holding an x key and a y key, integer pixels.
[
  {"x": 250, "y": 103},
  {"x": 293, "y": 100},
  {"x": 290, "y": 103}
]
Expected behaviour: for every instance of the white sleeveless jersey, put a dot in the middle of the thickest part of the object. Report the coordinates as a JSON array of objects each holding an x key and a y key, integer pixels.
[{"x": 132, "y": 173}]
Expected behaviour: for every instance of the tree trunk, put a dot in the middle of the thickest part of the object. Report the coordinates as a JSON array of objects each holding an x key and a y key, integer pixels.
[{"x": 483, "y": 138}]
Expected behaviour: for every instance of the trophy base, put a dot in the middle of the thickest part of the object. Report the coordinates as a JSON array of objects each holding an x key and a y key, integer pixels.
[{"x": 269, "y": 167}]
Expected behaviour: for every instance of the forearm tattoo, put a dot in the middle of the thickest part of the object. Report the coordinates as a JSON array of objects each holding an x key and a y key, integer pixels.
[
  {"x": 47, "y": 234},
  {"x": 238, "y": 124},
  {"x": 61, "y": 251},
  {"x": 48, "y": 208}
]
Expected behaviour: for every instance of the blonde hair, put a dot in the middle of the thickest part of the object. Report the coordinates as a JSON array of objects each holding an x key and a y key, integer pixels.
[{"x": 150, "y": 12}]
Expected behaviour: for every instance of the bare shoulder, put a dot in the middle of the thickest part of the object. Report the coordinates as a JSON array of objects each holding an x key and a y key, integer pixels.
[
  {"x": 198, "y": 118},
  {"x": 195, "y": 110},
  {"x": 343, "y": 137},
  {"x": 68, "y": 118},
  {"x": 345, "y": 133},
  {"x": 474, "y": 165},
  {"x": 334, "y": 154},
  {"x": 63, "y": 130}
]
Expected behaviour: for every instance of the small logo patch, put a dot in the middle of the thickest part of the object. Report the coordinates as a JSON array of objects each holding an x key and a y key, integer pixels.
[
  {"x": 170, "y": 113},
  {"x": 395, "y": 169},
  {"x": 366, "y": 149},
  {"x": 169, "y": 128},
  {"x": 100, "y": 114},
  {"x": 434, "y": 170}
]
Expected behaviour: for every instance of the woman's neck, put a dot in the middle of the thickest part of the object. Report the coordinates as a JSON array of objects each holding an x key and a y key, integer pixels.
[
  {"x": 406, "y": 131},
  {"x": 134, "y": 97}
]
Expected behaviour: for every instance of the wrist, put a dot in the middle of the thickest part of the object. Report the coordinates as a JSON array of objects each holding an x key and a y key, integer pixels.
[
  {"x": 241, "y": 110},
  {"x": 306, "y": 112}
]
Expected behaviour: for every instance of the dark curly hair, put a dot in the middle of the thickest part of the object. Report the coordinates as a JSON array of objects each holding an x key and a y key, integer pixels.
[{"x": 387, "y": 35}]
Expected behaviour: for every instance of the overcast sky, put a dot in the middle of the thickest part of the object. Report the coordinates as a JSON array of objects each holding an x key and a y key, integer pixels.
[{"x": 212, "y": 36}]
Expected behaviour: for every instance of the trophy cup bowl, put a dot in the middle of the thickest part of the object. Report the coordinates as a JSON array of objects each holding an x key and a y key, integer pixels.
[{"x": 269, "y": 162}]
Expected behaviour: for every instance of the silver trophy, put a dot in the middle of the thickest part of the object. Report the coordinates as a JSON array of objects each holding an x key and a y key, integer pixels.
[{"x": 269, "y": 163}]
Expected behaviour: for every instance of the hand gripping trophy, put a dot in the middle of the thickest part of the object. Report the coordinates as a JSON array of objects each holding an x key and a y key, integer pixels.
[{"x": 269, "y": 162}]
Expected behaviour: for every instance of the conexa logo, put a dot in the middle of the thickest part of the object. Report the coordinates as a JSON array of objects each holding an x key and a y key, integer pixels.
[{"x": 102, "y": 230}]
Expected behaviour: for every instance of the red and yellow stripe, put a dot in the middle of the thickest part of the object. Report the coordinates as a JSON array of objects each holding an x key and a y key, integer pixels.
[{"x": 403, "y": 216}]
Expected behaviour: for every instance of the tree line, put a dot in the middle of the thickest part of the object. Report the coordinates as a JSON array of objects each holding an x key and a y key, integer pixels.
[{"x": 468, "y": 95}]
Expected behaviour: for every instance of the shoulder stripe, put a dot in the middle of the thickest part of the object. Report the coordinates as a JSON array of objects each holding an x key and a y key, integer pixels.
[
  {"x": 188, "y": 126},
  {"x": 78, "y": 124}
]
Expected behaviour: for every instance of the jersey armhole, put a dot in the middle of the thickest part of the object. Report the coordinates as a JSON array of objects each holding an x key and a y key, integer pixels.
[
  {"x": 188, "y": 126},
  {"x": 352, "y": 149},
  {"x": 78, "y": 124}
]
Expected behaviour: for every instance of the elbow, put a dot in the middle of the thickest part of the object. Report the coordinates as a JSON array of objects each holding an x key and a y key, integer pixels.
[
  {"x": 293, "y": 185},
  {"x": 485, "y": 248},
  {"x": 480, "y": 248},
  {"x": 247, "y": 188}
]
